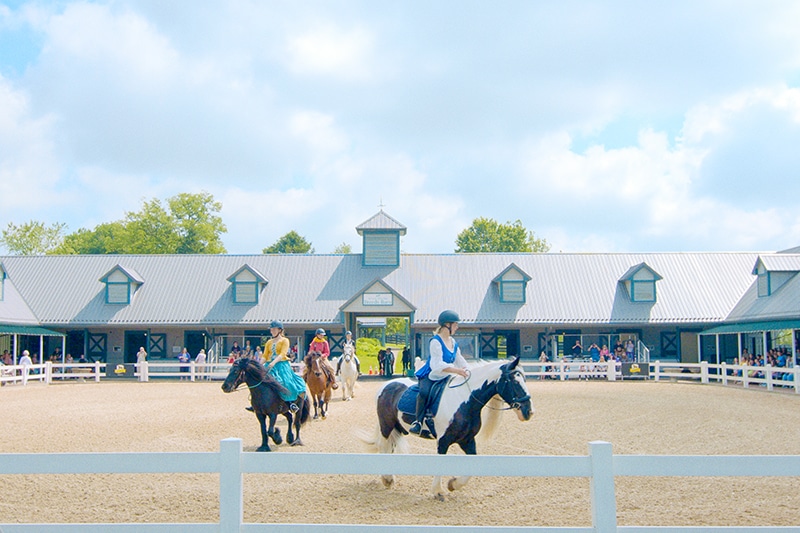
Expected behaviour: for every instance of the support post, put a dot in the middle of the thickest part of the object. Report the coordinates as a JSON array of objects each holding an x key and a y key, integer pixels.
[
  {"x": 604, "y": 499},
  {"x": 231, "y": 508}
]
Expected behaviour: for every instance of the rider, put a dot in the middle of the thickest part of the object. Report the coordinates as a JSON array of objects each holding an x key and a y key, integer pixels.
[
  {"x": 348, "y": 341},
  {"x": 320, "y": 344},
  {"x": 445, "y": 358},
  {"x": 276, "y": 358}
]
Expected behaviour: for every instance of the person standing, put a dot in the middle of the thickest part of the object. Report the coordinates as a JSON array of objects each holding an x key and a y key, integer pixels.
[
  {"x": 388, "y": 362},
  {"x": 141, "y": 359},
  {"x": 200, "y": 363},
  {"x": 445, "y": 359},
  {"x": 276, "y": 359},
  {"x": 25, "y": 362},
  {"x": 184, "y": 357},
  {"x": 406, "y": 360}
]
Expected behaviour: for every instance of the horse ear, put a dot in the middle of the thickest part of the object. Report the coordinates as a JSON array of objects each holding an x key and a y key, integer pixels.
[{"x": 513, "y": 364}]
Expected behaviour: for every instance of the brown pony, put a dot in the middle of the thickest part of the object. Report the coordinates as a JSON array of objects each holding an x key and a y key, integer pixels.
[{"x": 318, "y": 377}]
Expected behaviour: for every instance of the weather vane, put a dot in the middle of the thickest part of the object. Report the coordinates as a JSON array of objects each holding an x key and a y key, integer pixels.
[{"x": 381, "y": 205}]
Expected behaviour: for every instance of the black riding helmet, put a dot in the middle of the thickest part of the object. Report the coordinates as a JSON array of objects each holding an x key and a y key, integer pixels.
[{"x": 448, "y": 317}]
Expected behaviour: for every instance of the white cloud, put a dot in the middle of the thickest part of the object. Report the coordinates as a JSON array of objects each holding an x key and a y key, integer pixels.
[{"x": 331, "y": 51}]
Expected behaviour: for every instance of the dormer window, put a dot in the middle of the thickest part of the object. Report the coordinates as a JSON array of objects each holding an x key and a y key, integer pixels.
[
  {"x": 774, "y": 271},
  {"x": 512, "y": 284},
  {"x": 121, "y": 284},
  {"x": 640, "y": 280},
  {"x": 246, "y": 285}
]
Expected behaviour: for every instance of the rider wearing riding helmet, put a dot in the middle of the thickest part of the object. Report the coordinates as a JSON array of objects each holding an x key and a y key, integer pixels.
[
  {"x": 348, "y": 341},
  {"x": 276, "y": 358},
  {"x": 445, "y": 359},
  {"x": 320, "y": 344}
]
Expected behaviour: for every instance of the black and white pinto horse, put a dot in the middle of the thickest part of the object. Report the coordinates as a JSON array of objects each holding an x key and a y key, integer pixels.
[{"x": 460, "y": 417}]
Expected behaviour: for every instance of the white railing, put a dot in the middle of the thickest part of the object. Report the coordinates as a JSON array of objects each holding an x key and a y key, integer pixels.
[
  {"x": 769, "y": 377},
  {"x": 231, "y": 463},
  {"x": 564, "y": 370},
  {"x": 48, "y": 372}
]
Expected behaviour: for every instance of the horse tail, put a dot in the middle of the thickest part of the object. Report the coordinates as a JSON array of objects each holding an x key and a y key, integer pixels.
[
  {"x": 305, "y": 410},
  {"x": 377, "y": 443}
]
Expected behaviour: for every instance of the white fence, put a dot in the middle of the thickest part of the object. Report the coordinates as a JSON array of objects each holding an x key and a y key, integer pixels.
[
  {"x": 564, "y": 370},
  {"x": 231, "y": 463},
  {"x": 769, "y": 377}
]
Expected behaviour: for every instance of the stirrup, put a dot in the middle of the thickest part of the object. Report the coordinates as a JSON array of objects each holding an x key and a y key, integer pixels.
[
  {"x": 293, "y": 407},
  {"x": 415, "y": 428}
]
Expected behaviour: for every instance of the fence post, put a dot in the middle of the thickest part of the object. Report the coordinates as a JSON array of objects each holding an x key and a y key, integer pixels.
[
  {"x": 657, "y": 370},
  {"x": 768, "y": 375},
  {"x": 563, "y": 370},
  {"x": 48, "y": 372},
  {"x": 795, "y": 380},
  {"x": 97, "y": 371},
  {"x": 704, "y": 372},
  {"x": 724, "y": 372},
  {"x": 231, "y": 508},
  {"x": 604, "y": 499}
]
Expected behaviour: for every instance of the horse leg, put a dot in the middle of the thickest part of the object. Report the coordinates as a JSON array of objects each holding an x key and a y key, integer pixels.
[
  {"x": 456, "y": 483},
  {"x": 262, "y": 420},
  {"x": 289, "y": 434},
  {"x": 274, "y": 432}
]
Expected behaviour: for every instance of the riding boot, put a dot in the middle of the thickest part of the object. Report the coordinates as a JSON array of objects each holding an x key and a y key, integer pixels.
[
  {"x": 249, "y": 408},
  {"x": 416, "y": 427}
]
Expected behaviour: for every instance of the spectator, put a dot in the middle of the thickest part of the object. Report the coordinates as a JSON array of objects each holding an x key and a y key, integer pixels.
[
  {"x": 630, "y": 348},
  {"x": 388, "y": 363},
  {"x": 543, "y": 359},
  {"x": 577, "y": 349},
  {"x": 200, "y": 361},
  {"x": 184, "y": 357},
  {"x": 594, "y": 352},
  {"x": 407, "y": 362},
  {"x": 25, "y": 361},
  {"x": 236, "y": 350}
]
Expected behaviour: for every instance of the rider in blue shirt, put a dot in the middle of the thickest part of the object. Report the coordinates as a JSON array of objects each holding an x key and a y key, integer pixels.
[{"x": 445, "y": 359}]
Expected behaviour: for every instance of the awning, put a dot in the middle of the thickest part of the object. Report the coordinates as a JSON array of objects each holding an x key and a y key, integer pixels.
[
  {"x": 29, "y": 330},
  {"x": 753, "y": 327}
]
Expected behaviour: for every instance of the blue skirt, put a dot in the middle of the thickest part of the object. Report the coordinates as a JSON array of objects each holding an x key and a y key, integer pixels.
[{"x": 283, "y": 372}]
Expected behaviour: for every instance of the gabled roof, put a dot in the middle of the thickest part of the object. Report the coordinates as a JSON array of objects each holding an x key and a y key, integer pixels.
[
  {"x": 65, "y": 291},
  {"x": 380, "y": 222},
  {"x": 259, "y": 276},
  {"x": 778, "y": 263},
  {"x": 510, "y": 267},
  {"x": 129, "y": 272},
  {"x": 13, "y": 308},
  {"x": 631, "y": 272}
]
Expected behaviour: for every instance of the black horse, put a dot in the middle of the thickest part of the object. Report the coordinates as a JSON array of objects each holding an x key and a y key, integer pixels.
[{"x": 265, "y": 397}]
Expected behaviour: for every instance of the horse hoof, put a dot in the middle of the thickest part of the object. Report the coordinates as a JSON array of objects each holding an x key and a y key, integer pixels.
[
  {"x": 263, "y": 449},
  {"x": 316, "y": 416},
  {"x": 298, "y": 442},
  {"x": 388, "y": 481},
  {"x": 439, "y": 497},
  {"x": 451, "y": 484}
]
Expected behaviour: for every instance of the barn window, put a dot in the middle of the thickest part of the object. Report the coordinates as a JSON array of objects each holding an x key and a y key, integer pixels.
[
  {"x": 246, "y": 285},
  {"x": 121, "y": 284}
]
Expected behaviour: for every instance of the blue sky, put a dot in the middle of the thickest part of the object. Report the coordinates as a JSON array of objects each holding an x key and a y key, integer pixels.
[{"x": 602, "y": 126}]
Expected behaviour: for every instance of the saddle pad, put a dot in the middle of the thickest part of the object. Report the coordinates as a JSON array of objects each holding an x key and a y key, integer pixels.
[{"x": 408, "y": 401}]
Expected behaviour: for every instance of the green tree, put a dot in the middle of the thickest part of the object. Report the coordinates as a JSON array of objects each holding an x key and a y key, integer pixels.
[
  {"x": 291, "y": 243},
  {"x": 190, "y": 225},
  {"x": 343, "y": 248},
  {"x": 197, "y": 225},
  {"x": 32, "y": 238},
  {"x": 487, "y": 235},
  {"x": 106, "y": 238}
]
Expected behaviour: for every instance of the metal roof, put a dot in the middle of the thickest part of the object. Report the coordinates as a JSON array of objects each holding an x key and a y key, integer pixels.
[
  {"x": 28, "y": 330},
  {"x": 381, "y": 221},
  {"x": 754, "y": 327},
  {"x": 564, "y": 289}
]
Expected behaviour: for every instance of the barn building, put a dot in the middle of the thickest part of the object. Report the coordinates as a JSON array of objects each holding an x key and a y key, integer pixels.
[{"x": 686, "y": 307}]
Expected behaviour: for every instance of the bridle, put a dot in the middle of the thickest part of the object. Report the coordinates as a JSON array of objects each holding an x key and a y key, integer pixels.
[{"x": 507, "y": 379}]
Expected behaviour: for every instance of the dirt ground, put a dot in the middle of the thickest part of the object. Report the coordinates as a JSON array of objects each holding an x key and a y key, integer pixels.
[{"x": 636, "y": 417}]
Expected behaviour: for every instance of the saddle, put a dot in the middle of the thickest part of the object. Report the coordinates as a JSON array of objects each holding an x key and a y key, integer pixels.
[{"x": 408, "y": 401}]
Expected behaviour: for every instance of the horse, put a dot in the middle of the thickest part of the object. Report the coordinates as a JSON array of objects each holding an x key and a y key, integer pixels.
[
  {"x": 460, "y": 417},
  {"x": 265, "y": 397},
  {"x": 319, "y": 385},
  {"x": 349, "y": 372}
]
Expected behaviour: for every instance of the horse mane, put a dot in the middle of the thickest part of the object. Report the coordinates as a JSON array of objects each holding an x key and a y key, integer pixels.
[
  {"x": 253, "y": 366},
  {"x": 491, "y": 415}
]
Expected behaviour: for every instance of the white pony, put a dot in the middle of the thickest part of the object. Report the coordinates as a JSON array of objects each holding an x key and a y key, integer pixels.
[
  {"x": 460, "y": 417},
  {"x": 349, "y": 372}
]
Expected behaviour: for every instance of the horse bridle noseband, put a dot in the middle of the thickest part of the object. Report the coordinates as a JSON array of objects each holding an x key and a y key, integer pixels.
[{"x": 503, "y": 384}]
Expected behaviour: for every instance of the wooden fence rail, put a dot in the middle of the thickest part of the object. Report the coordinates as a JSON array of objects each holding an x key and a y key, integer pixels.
[{"x": 600, "y": 466}]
